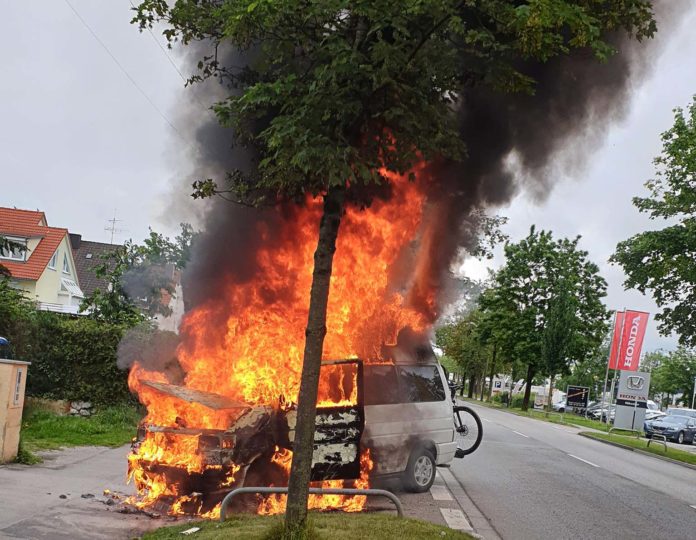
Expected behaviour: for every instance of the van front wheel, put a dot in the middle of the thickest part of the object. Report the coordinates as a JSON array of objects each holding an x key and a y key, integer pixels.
[{"x": 420, "y": 471}]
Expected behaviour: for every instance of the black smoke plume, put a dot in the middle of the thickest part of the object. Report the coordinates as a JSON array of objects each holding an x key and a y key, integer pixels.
[{"x": 513, "y": 143}]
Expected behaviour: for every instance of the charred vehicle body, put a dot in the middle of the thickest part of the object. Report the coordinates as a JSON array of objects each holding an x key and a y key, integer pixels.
[{"x": 400, "y": 410}]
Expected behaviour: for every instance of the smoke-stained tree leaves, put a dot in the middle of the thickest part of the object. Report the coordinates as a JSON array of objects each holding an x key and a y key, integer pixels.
[
  {"x": 664, "y": 261},
  {"x": 338, "y": 91},
  {"x": 137, "y": 276}
]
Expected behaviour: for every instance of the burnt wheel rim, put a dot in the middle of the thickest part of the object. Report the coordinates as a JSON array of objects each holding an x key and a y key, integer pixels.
[{"x": 423, "y": 471}]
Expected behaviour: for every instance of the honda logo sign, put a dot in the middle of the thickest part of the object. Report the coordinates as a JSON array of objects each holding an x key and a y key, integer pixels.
[
  {"x": 635, "y": 382},
  {"x": 631, "y": 400}
]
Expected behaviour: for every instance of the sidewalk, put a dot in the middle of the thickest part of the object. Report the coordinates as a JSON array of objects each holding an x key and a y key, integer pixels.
[
  {"x": 446, "y": 503},
  {"x": 63, "y": 499}
]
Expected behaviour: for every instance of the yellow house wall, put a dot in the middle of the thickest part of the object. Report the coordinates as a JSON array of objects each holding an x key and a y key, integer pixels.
[
  {"x": 29, "y": 287},
  {"x": 48, "y": 284}
]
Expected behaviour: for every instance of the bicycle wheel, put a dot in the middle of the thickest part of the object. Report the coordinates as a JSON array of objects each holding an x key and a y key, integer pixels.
[{"x": 468, "y": 430}]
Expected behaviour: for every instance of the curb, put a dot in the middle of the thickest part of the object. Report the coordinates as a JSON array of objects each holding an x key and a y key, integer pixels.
[
  {"x": 639, "y": 451},
  {"x": 482, "y": 528}
]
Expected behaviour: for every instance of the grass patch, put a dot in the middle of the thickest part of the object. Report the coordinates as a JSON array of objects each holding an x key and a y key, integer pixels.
[
  {"x": 568, "y": 419},
  {"x": 642, "y": 444},
  {"x": 336, "y": 526},
  {"x": 25, "y": 457},
  {"x": 112, "y": 426}
]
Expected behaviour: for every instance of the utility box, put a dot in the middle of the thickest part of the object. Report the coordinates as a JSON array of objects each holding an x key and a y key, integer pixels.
[{"x": 13, "y": 380}]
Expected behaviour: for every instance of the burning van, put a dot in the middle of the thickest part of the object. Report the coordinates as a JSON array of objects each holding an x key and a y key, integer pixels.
[{"x": 396, "y": 415}]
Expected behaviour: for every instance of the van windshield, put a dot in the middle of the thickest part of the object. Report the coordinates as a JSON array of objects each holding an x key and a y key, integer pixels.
[{"x": 420, "y": 383}]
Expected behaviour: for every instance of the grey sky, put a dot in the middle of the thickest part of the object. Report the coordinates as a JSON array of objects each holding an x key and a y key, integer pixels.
[{"x": 80, "y": 141}]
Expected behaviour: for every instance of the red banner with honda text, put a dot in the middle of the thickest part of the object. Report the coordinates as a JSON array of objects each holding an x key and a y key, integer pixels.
[
  {"x": 634, "y": 325},
  {"x": 614, "y": 354}
]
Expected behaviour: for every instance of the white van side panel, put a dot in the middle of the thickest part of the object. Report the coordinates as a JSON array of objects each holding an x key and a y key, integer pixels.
[{"x": 392, "y": 431}]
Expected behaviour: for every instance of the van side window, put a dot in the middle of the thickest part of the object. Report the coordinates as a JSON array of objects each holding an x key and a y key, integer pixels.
[
  {"x": 380, "y": 384},
  {"x": 420, "y": 383}
]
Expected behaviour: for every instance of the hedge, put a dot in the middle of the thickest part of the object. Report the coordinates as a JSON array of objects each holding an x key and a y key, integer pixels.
[{"x": 74, "y": 359}]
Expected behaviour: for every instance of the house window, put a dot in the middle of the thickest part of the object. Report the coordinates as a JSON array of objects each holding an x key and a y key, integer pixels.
[
  {"x": 52, "y": 262},
  {"x": 18, "y": 388},
  {"x": 66, "y": 264},
  {"x": 14, "y": 253}
]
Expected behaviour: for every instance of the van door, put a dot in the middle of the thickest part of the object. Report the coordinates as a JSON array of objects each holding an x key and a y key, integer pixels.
[{"x": 340, "y": 421}]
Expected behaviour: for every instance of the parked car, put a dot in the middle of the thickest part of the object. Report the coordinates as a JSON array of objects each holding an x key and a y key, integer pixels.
[
  {"x": 681, "y": 429},
  {"x": 654, "y": 415},
  {"x": 559, "y": 406},
  {"x": 5, "y": 350},
  {"x": 677, "y": 411},
  {"x": 601, "y": 413}
]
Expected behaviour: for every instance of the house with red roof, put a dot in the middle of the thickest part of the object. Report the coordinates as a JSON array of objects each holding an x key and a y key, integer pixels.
[{"x": 45, "y": 270}]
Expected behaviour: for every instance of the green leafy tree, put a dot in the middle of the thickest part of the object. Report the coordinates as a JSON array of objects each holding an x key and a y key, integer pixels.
[
  {"x": 664, "y": 261},
  {"x": 675, "y": 374},
  {"x": 462, "y": 343},
  {"x": 339, "y": 91},
  {"x": 15, "y": 314},
  {"x": 589, "y": 371},
  {"x": 546, "y": 302},
  {"x": 651, "y": 363}
]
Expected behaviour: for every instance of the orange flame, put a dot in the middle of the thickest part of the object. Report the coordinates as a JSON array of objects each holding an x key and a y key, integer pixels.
[
  {"x": 275, "y": 504},
  {"x": 248, "y": 344}
]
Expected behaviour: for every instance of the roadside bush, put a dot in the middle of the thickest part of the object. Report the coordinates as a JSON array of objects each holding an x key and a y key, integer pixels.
[
  {"x": 518, "y": 399},
  {"x": 75, "y": 359}
]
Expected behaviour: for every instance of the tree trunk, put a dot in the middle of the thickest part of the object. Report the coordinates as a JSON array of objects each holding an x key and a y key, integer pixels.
[
  {"x": 303, "y": 445},
  {"x": 549, "y": 404},
  {"x": 470, "y": 390},
  {"x": 528, "y": 387},
  {"x": 492, "y": 372}
]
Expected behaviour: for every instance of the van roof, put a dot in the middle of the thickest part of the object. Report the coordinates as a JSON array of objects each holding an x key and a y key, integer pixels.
[{"x": 422, "y": 354}]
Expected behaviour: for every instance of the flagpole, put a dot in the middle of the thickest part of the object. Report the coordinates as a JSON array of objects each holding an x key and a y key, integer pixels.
[
  {"x": 618, "y": 354},
  {"x": 606, "y": 375}
]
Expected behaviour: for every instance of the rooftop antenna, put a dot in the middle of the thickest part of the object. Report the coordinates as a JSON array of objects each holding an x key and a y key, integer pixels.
[{"x": 112, "y": 226}]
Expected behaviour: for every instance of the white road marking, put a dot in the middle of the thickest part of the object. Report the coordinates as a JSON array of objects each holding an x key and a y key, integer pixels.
[
  {"x": 693, "y": 506},
  {"x": 584, "y": 460},
  {"x": 440, "y": 493},
  {"x": 455, "y": 519},
  {"x": 486, "y": 420},
  {"x": 521, "y": 434}
]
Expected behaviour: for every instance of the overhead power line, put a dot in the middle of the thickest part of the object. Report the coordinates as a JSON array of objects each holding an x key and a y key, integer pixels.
[
  {"x": 165, "y": 51},
  {"x": 123, "y": 69}
]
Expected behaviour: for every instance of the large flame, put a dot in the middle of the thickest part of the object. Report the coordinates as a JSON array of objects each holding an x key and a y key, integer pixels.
[{"x": 248, "y": 345}]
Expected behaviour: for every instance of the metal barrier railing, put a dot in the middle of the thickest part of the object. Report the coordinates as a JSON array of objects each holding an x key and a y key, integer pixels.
[
  {"x": 314, "y": 491},
  {"x": 658, "y": 438},
  {"x": 637, "y": 432}
]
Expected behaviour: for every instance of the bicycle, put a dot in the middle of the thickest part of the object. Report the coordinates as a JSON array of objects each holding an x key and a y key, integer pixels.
[{"x": 468, "y": 429}]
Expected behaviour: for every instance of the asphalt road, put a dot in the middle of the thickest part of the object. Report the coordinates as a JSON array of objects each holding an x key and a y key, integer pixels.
[{"x": 534, "y": 479}]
